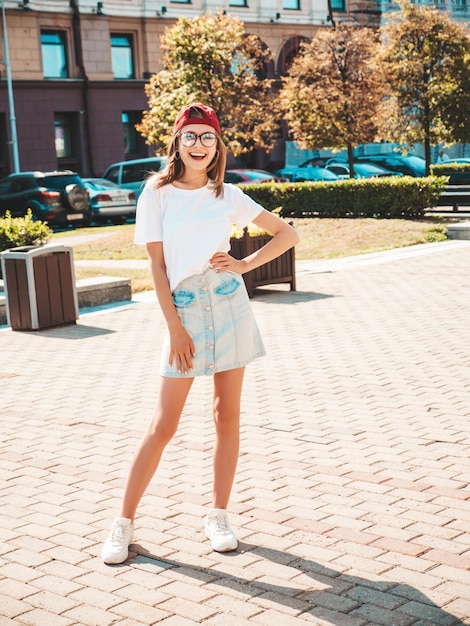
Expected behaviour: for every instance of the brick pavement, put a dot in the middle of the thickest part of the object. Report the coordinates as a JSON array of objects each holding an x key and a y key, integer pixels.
[{"x": 352, "y": 497}]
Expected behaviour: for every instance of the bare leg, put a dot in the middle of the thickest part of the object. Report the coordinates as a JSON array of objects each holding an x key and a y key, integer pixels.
[
  {"x": 227, "y": 394},
  {"x": 171, "y": 400}
]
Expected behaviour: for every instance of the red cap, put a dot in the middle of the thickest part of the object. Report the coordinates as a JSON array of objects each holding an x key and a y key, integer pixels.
[{"x": 209, "y": 117}]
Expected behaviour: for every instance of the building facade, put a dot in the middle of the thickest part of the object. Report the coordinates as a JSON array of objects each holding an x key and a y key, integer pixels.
[
  {"x": 78, "y": 71},
  {"x": 75, "y": 70}
]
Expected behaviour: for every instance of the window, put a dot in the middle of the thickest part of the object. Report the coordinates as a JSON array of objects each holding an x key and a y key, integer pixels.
[
  {"x": 67, "y": 140},
  {"x": 291, "y": 4},
  {"x": 132, "y": 139},
  {"x": 238, "y": 3},
  {"x": 53, "y": 50},
  {"x": 122, "y": 57},
  {"x": 338, "y": 5},
  {"x": 63, "y": 135},
  {"x": 181, "y": 1}
]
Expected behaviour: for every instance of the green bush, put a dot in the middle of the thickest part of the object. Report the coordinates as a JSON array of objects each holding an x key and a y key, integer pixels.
[
  {"x": 22, "y": 231},
  {"x": 442, "y": 169},
  {"x": 457, "y": 173},
  {"x": 389, "y": 197}
]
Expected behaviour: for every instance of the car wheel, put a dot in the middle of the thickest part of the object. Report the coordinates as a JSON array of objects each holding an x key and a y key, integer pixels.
[{"x": 76, "y": 197}]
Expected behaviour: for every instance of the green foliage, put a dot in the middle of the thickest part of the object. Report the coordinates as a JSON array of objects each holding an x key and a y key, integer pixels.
[
  {"x": 442, "y": 169},
  {"x": 456, "y": 173},
  {"x": 211, "y": 59},
  {"x": 333, "y": 89},
  {"x": 22, "y": 231},
  {"x": 426, "y": 67},
  {"x": 394, "y": 197},
  {"x": 438, "y": 232}
]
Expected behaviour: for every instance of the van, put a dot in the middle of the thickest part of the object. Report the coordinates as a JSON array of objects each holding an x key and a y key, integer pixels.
[{"x": 132, "y": 174}]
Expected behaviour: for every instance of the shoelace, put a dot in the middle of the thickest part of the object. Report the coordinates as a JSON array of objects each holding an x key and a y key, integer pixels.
[
  {"x": 117, "y": 534},
  {"x": 221, "y": 524}
]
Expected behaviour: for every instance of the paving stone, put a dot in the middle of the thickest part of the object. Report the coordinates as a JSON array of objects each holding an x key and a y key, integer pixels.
[{"x": 351, "y": 500}]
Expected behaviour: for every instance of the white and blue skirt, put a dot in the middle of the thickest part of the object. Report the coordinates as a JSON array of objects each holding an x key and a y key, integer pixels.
[{"x": 215, "y": 310}]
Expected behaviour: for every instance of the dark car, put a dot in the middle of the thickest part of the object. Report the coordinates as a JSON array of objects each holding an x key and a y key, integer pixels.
[
  {"x": 108, "y": 201},
  {"x": 409, "y": 165},
  {"x": 251, "y": 177},
  {"x": 361, "y": 170},
  {"x": 59, "y": 198}
]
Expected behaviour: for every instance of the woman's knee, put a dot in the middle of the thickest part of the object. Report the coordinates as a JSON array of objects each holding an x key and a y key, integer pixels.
[
  {"x": 226, "y": 420},
  {"x": 162, "y": 430}
]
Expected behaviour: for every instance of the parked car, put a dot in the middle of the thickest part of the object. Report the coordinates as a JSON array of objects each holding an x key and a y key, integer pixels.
[
  {"x": 59, "y": 198},
  {"x": 308, "y": 173},
  {"x": 249, "y": 177},
  {"x": 132, "y": 174},
  {"x": 409, "y": 165},
  {"x": 361, "y": 170},
  {"x": 459, "y": 160},
  {"x": 108, "y": 201}
]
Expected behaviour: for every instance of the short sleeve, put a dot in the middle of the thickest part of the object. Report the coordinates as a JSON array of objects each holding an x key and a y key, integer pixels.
[
  {"x": 148, "y": 220},
  {"x": 245, "y": 209}
]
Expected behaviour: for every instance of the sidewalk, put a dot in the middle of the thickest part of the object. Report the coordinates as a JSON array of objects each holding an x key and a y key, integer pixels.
[{"x": 352, "y": 498}]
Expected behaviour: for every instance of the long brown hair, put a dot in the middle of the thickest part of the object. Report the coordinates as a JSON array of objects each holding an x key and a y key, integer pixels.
[{"x": 175, "y": 168}]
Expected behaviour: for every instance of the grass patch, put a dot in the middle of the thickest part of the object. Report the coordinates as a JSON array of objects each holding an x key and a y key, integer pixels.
[
  {"x": 110, "y": 242},
  {"x": 324, "y": 238},
  {"x": 320, "y": 238},
  {"x": 140, "y": 279}
]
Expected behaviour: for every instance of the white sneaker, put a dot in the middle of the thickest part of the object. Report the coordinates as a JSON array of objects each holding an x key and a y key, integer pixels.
[
  {"x": 219, "y": 532},
  {"x": 116, "y": 547}
]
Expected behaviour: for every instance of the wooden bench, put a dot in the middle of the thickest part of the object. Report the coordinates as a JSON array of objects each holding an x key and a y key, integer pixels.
[
  {"x": 455, "y": 196},
  {"x": 277, "y": 271}
]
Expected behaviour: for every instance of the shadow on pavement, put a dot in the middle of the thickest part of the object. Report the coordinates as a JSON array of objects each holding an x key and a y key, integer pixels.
[
  {"x": 330, "y": 591},
  {"x": 287, "y": 297},
  {"x": 71, "y": 331}
]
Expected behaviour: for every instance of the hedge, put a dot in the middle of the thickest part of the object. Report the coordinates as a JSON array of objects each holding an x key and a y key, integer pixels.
[
  {"x": 457, "y": 173},
  {"x": 442, "y": 169},
  {"x": 389, "y": 197}
]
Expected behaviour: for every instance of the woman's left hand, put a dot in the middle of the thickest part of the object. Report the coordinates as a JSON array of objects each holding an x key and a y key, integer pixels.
[{"x": 222, "y": 262}]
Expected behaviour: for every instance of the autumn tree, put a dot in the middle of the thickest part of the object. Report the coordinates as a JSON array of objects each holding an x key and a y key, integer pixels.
[
  {"x": 211, "y": 59},
  {"x": 332, "y": 90},
  {"x": 426, "y": 65}
]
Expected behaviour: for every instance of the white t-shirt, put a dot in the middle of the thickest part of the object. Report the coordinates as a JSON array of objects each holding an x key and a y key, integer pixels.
[{"x": 192, "y": 224}]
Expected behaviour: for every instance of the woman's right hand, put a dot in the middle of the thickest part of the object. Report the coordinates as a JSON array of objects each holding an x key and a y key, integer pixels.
[{"x": 182, "y": 350}]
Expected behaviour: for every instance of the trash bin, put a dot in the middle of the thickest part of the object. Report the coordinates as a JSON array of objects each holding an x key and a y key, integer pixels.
[{"x": 39, "y": 284}]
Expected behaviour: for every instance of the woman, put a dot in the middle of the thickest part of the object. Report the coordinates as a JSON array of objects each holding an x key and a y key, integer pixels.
[{"x": 184, "y": 217}]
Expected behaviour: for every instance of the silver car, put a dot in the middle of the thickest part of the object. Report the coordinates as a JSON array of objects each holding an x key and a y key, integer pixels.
[{"x": 109, "y": 202}]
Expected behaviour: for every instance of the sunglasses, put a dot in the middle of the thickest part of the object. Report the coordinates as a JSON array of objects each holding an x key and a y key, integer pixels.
[{"x": 189, "y": 139}]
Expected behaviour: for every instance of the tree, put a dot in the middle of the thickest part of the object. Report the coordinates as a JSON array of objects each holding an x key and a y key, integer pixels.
[
  {"x": 332, "y": 91},
  {"x": 426, "y": 64},
  {"x": 211, "y": 59}
]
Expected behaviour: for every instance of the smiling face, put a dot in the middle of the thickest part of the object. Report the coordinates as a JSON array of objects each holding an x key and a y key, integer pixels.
[{"x": 198, "y": 157}]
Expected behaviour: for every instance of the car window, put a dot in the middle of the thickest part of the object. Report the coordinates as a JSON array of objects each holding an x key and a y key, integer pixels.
[
  {"x": 320, "y": 173},
  {"x": 338, "y": 169},
  {"x": 5, "y": 186},
  {"x": 137, "y": 171},
  {"x": 58, "y": 182},
  {"x": 20, "y": 183},
  {"x": 415, "y": 161},
  {"x": 231, "y": 177},
  {"x": 113, "y": 174},
  {"x": 391, "y": 164}
]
